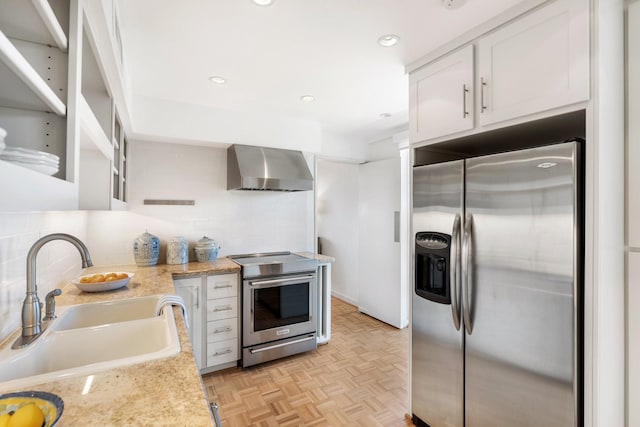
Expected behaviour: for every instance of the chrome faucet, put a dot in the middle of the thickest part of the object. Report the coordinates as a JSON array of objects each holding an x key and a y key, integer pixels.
[{"x": 31, "y": 307}]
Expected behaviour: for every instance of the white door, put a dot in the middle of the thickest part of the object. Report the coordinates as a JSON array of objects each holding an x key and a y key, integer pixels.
[{"x": 379, "y": 285}]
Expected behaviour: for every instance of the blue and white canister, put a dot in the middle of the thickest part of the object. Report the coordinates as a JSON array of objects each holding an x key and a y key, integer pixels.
[
  {"x": 146, "y": 249},
  {"x": 178, "y": 251}
]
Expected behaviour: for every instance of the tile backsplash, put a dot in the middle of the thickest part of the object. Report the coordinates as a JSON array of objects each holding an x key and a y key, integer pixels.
[{"x": 57, "y": 261}]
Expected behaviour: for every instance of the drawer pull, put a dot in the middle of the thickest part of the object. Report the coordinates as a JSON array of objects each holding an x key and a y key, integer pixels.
[
  {"x": 220, "y": 353},
  {"x": 221, "y": 330},
  {"x": 223, "y": 287},
  {"x": 223, "y": 308},
  {"x": 271, "y": 347}
]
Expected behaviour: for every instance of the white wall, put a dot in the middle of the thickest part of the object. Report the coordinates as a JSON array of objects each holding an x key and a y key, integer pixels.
[
  {"x": 57, "y": 261},
  {"x": 337, "y": 219},
  {"x": 240, "y": 221},
  {"x": 168, "y": 121}
]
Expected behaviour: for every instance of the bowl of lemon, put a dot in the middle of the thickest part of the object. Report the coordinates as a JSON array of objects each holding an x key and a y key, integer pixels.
[
  {"x": 102, "y": 282},
  {"x": 30, "y": 409}
]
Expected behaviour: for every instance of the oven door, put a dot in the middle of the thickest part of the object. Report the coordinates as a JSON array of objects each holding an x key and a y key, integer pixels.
[{"x": 278, "y": 308}]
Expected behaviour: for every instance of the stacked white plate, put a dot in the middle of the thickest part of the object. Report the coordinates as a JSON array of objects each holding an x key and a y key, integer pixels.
[
  {"x": 3, "y": 134},
  {"x": 40, "y": 161}
]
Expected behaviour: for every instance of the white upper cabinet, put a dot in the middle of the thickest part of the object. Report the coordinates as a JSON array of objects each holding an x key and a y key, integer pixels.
[
  {"x": 532, "y": 64},
  {"x": 61, "y": 82},
  {"x": 34, "y": 68},
  {"x": 537, "y": 63},
  {"x": 441, "y": 96}
]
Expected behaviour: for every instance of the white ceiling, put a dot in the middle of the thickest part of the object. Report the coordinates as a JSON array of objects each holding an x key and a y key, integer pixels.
[{"x": 272, "y": 55}]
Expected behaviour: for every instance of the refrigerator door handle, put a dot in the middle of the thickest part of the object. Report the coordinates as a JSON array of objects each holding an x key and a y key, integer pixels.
[
  {"x": 467, "y": 256},
  {"x": 454, "y": 276}
]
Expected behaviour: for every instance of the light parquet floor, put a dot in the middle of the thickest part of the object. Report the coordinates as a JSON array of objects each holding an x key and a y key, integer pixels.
[{"x": 360, "y": 378}]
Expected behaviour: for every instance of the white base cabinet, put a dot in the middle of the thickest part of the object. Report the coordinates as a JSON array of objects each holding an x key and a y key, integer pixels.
[
  {"x": 190, "y": 290},
  {"x": 214, "y": 325},
  {"x": 223, "y": 322}
]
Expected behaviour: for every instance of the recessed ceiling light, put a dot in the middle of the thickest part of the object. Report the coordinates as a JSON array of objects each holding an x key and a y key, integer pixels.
[
  {"x": 307, "y": 98},
  {"x": 388, "y": 40},
  {"x": 217, "y": 80},
  {"x": 262, "y": 2}
]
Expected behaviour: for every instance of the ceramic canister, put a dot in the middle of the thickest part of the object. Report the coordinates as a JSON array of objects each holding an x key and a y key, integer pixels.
[
  {"x": 146, "y": 249},
  {"x": 178, "y": 251},
  {"x": 206, "y": 249}
]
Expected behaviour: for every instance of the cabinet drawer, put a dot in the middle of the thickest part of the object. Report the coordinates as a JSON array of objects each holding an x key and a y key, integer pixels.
[
  {"x": 222, "y": 308},
  {"x": 224, "y": 329},
  {"x": 222, "y": 352},
  {"x": 222, "y": 286}
]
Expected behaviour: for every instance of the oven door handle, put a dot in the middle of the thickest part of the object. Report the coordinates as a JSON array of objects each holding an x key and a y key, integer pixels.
[
  {"x": 275, "y": 281},
  {"x": 271, "y": 347}
]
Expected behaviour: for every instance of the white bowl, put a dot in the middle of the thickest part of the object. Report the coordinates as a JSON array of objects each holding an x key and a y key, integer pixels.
[{"x": 102, "y": 286}]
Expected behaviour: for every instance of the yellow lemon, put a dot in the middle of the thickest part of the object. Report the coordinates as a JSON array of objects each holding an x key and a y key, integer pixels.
[
  {"x": 4, "y": 420},
  {"x": 28, "y": 415}
]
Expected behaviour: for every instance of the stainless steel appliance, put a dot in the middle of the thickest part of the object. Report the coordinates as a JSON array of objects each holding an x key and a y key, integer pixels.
[
  {"x": 262, "y": 168},
  {"x": 496, "y": 315},
  {"x": 279, "y": 292}
]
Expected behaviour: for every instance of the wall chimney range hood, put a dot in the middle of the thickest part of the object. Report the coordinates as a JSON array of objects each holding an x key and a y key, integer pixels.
[{"x": 263, "y": 168}]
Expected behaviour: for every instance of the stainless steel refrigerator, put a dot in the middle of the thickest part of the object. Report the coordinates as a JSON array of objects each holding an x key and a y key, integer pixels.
[{"x": 496, "y": 314}]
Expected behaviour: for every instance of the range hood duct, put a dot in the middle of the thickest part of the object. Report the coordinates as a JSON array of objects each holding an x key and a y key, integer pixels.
[{"x": 262, "y": 168}]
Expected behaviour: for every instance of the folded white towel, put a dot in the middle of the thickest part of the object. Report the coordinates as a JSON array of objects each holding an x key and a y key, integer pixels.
[{"x": 166, "y": 300}]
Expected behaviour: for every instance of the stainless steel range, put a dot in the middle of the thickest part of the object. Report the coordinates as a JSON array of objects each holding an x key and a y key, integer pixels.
[{"x": 279, "y": 292}]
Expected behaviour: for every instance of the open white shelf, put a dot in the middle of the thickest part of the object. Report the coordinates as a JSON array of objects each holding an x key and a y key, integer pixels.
[
  {"x": 51, "y": 22},
  {"x": 92, "y": 136},
  {"x": 38, "y": 21},
  {"x": 18, "y": 73}
]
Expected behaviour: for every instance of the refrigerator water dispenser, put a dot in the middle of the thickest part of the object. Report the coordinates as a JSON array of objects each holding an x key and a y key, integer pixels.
[{"x": 432, "y": 266}]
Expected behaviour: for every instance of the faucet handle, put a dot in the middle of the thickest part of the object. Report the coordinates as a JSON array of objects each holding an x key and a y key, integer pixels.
[{"x": 50, "y": 303}]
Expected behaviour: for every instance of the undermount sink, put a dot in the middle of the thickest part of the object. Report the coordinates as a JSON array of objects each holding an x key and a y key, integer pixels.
[{"x": 93, "y": 337}]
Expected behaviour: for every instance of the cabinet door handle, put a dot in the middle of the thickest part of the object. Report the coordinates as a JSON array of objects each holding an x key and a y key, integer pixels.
[
  {"x": 483, "y": 83},
  {"x": 465, "y": 113},
  {"x": 220, "y": 353},
  {"x": 221, "y": 330},
  {"x": 223, "y": 308},
  {"x": 198, "y": 298}
]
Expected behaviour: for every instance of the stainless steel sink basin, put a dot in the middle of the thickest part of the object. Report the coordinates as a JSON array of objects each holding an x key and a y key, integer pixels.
[{"x": 89, "y": 338}]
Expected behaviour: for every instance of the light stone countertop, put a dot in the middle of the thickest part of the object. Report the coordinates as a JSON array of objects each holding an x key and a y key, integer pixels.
[
  {"x": 163, "y": 392},
  {"x": 318, "y": 257}
]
